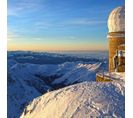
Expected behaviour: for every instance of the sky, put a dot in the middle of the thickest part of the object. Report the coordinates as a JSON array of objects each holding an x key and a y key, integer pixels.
[{"x": 59, "y": 25}]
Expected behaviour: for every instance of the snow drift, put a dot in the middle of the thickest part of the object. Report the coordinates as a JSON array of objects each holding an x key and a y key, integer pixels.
[{"x": 84, "y": 100}]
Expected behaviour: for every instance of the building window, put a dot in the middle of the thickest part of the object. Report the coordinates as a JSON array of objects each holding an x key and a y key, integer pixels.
[{"x": 121, "y": 53}]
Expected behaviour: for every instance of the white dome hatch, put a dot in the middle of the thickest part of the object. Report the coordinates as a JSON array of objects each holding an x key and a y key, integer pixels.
[{"x": 116, "y": 21}]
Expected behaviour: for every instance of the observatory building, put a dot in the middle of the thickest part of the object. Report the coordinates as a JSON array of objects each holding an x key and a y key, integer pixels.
[{"x": 116, "y": 37}]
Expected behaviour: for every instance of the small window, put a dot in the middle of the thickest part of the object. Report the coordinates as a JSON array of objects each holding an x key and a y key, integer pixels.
[{"x": 121, "y": 53}]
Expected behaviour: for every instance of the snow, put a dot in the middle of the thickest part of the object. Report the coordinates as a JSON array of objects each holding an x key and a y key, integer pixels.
[
  {"x": 116, "y": 21},
  {"x": 35, "y": 80},
  {"x": 113, "y": 75},
  {"x": 80, "y": 72},
  {"x": 28, "y": 81},
  {"x": 83, "y": 100}
]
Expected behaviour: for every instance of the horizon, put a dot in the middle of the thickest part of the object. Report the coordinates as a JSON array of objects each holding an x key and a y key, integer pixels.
[
  {"x": 58, "y": 50},
  {"x": 59, "y": 25}
]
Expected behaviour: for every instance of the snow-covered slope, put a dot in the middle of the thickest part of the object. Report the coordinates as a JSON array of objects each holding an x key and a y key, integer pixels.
[
  {"x": 22, "y": 88},
  {"x": 84, "y": 100},
  {"x": 54, "y": 74},
  {"x": 28, "y": 81},
  {"x": 32, "y": 74},
  {"x": 79, "y": 73}
]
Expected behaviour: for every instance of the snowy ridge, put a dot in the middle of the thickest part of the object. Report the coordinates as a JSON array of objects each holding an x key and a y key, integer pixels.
[
  {"x": 84, "y": 100},
  {"x": 34, "y": 75},
  {"x": 81, "y": 72},
  {"x": 28, "y": 81}
]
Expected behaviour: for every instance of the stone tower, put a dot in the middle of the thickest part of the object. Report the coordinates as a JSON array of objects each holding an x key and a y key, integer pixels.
[{"x": 116, "y": 37}]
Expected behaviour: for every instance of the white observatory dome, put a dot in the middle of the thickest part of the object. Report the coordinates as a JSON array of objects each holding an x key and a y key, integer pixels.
[{"x": 116, "y": 21}]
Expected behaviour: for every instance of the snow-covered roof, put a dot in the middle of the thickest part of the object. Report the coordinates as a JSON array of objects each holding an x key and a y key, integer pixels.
[
  {"x": 113, "y": 75},
  {"x": 116, "y": 20}
]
